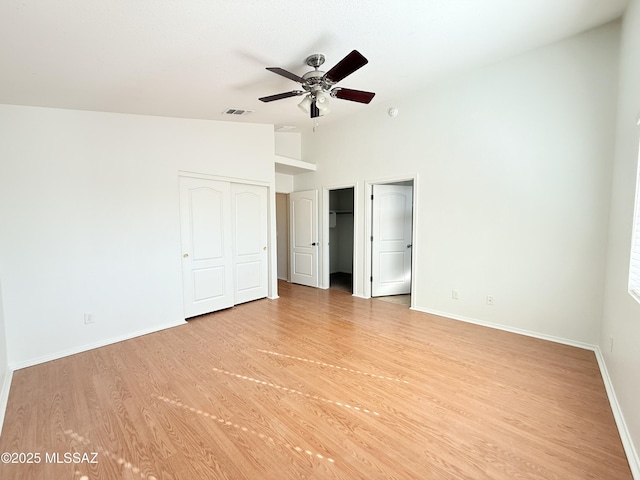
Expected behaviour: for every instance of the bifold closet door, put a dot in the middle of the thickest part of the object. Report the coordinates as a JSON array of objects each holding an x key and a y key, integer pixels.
[{"x": 250, "y": 263}]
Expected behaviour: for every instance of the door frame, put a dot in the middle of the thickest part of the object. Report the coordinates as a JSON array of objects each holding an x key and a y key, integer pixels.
[
  {"x": 325, "y": 269},
  {"x": 272, "y": 260},
  {"x": 368, "y": 189}
]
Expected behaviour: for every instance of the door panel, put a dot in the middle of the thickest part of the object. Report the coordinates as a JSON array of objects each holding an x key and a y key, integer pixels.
[
  {"x": 208, "y": 283},
  {"x": 391, "y": 246},
  {"x": 251, "y": 273},
  {"x": 206, "y": 206},
  {"x": 303, "y": 208},
  {"x": 206, "y": 245},
  {"x": 391, "y": 267},
  {"x": 303, "y": 264},
  {"x": 249, "y": 277}
]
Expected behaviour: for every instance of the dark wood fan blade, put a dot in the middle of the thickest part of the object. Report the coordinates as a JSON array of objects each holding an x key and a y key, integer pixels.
[
  {"x": 284, "y": 73},
  {"x": 315, "y": 111},
  {"x": 353, "y": 95},
  {"x": 346, "y": 66},
  {"x": 280, "y": 96}
]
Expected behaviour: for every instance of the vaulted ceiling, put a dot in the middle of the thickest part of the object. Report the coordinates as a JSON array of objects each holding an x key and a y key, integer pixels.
[{"x": 198, "y": 58}]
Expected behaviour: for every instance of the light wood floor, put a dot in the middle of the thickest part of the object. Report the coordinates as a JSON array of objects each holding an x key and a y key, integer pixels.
[
  {"x": 317, "y": 385},
  {"x": 399, "y": 299}
]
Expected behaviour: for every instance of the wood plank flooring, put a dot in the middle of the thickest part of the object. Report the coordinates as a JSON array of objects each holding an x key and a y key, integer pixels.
[{"x": 316, "y": 385}]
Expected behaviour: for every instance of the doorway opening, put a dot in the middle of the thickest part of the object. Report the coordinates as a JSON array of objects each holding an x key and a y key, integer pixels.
[
  {"x": 341, "y": 237},
  {"x": 282, "y": 235},
  {"x": 391, "y": 248}
]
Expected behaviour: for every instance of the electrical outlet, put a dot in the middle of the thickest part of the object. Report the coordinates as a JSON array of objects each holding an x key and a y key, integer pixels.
[
  {"x": 88, "y": 318},
  {"x": 489, "y": 299},
  {"x": 455, "y": 294}
]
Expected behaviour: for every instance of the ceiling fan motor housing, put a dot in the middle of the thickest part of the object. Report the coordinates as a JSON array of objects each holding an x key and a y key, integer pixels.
[{"x": 315, "y": 81}]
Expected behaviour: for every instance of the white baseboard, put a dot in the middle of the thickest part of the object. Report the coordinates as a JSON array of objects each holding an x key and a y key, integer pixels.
[
  {"x": 4, "y": 395},
  {"x": 625, "y": 436},
  {"x": 519, "y": 331},
  {"x": 91, "y": 346}
]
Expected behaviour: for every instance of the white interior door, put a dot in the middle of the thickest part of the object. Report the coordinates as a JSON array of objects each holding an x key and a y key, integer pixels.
[
  {"x": 391, "y": 244},
  {"x": 303, "y": 212},
  {"x": 205, "y": 216},
  {"x": 250, "y": 267}
]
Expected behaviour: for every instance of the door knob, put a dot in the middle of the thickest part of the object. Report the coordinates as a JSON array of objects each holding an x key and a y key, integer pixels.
[
  {"x": 264, "y": 248},
  {"x": 186, "y": 255},
  {"x": 313, "y": 244},
  {"x": 409, "y": 246}
]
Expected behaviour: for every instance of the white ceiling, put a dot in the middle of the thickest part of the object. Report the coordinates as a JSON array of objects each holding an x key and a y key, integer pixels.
[{"x": 196, "y": 58}]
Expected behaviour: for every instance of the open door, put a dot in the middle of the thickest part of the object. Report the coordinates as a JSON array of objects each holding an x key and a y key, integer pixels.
[
  {"x": 303, "y": 211},
  {"x": 391, "y": 243}
]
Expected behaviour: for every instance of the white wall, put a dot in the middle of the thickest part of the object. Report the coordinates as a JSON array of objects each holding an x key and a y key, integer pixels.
[
  {"x": 513, "y": 165},
  {"x": 284, "y": 183},
  {"x": 89, "y": 208},
  {"x": 288, "y": 144},
  {"x": 344, "y": 226},
  {"x": 621, "y": 312}
]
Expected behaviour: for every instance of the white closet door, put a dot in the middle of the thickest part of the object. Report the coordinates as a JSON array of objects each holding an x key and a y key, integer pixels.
[
  {"x": 303, "y": 208},
  {"x": 250, "y": 263},
  {"x": 205, "y": 215}
]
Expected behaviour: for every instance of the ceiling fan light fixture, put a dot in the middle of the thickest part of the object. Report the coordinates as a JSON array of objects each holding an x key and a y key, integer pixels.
[
  {"x": 305, "y": 104},
  {"x": 322, "y": 100}
]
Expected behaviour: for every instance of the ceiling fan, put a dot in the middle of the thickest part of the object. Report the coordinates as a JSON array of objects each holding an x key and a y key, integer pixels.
[{"x": 318, "y": 86}]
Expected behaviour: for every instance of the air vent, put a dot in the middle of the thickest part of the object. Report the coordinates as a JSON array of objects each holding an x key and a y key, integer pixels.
[
  {"x": 236, "y": 111},
  {"x": 284, "y": 128}
]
